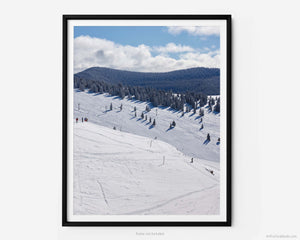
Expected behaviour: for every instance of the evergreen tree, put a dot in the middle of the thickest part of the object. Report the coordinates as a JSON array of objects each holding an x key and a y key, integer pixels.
[
  {"x": 146, "y": 117},
  {"x": 81, "y": 87},
  {"x": 173, "y": 124},
  {"x": 142, "y": 115},
  {"x": 111, "y": 106},
  {"x": 94, "y": 88},
  {"x": 154, "y": 123},
  {"x": 208, "y": 137},
  {"x": 135, "y": 114},
  {"x": 217, "y": 106},
  {"x": 121, "y": 107},
  {"x": 201, "y": 112},
  {"x": 195, "y": 107},
  {"x": 212, "y": 101},
  {"x": 150, "y": 120},
  {"x": 147, "y": 108},
  {"x": 135, "y": 109}
]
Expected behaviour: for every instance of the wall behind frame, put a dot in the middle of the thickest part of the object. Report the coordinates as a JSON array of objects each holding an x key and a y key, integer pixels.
[{"x": 265, "y": 118}]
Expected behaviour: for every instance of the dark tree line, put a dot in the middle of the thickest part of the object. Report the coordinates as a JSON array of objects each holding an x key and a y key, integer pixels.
[
  {"x": 205, "y": 80},
  {"x": 155, "y": 96}
]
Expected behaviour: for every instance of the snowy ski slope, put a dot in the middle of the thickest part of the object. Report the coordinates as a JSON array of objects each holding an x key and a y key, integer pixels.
[
  {"x": 187, "y": 136},
  {"x": 138, "y": 169},
  {"x": 122, "y": 173}
]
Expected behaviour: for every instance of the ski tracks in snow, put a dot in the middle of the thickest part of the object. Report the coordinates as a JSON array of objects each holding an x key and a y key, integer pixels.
[
  {"x": 169, "y": 201},
  {"x": 103, "y": 193}
]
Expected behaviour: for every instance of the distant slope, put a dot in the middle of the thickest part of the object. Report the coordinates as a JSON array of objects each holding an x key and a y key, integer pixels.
[{"x": 205, "y": 80}]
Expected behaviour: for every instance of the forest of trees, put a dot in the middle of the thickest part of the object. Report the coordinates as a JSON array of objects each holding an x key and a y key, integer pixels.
[
  {"x": 155, "y": 96},
  {"x": 205, "y": 80}
]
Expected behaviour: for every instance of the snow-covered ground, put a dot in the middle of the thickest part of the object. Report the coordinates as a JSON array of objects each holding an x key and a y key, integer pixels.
[
  {"x": 187, "y": 136},
  {"x": 122, "y": 173},
  {"x": 141, "y": 169}
]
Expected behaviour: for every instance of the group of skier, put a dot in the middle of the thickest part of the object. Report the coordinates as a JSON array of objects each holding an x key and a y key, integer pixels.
[{"x": 82, "y": 119}]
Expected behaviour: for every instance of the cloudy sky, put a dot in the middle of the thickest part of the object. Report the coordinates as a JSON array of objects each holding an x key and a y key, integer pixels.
[{"x": 146, "y": 48}]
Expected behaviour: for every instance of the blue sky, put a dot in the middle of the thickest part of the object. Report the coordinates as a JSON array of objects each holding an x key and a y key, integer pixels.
[{"x": 146, "y": 48}]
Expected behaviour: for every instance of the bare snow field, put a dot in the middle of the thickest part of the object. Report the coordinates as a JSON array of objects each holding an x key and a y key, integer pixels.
[
  {"x": 119, "y": 173},
  {"x": 138, "y": 169}
]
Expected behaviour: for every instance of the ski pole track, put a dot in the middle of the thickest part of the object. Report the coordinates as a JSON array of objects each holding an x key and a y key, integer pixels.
[{"x": 103, "y": 193}]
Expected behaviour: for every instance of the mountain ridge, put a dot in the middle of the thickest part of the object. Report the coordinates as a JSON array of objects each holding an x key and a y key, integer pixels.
[{"x": 200, "y": 79}]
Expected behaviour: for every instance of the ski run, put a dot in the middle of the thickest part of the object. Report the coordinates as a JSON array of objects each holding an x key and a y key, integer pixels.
[{"x": 123, "y": 165}]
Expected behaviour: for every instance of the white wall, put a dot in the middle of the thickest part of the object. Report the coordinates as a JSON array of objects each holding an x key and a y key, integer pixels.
[{"x": 266, "y": 40}]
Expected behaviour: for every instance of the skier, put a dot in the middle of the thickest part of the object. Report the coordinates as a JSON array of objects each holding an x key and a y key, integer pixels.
[
  {"x": 82, "y": 119},
  {"x": 76, "y": 120},
  {"x": 192, "y": 160}
]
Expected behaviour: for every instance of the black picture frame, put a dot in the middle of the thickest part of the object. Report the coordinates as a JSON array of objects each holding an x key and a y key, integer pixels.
[{"x": 65, "y": 142}]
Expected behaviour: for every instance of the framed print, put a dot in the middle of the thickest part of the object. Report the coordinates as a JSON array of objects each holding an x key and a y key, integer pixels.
[{"x": 146, "y": 120}]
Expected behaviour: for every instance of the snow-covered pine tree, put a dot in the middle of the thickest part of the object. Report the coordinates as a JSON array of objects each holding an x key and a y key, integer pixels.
[
  {"x": 195, "y": 107},
  {"x": 201, "y": 112},
  {"x": 81, "y": 87},
  {"x": 111, "y": 106},
  {"x": 94, "y": 88},
  {"x": 217, "y": 106}
]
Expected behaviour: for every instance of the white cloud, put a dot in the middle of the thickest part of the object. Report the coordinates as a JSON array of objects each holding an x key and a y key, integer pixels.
[
  {"x": 195, "y": 30},
  {"x": 210, "y": 59},
  {"x": 173, "y": 48},
  {"x": 96, "y": 52}
]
